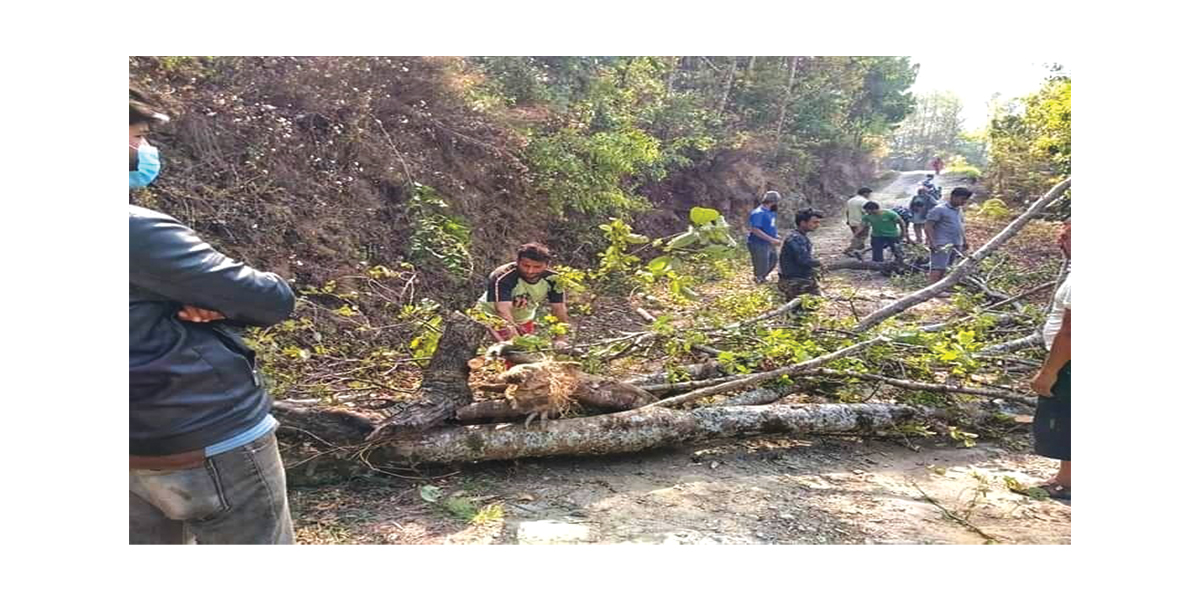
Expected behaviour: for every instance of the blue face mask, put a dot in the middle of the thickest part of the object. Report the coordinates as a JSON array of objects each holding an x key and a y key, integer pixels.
[{"x": 147, "y": 166}]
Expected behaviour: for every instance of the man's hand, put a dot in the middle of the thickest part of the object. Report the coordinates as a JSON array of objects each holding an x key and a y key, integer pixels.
[
  {"x": 198, "y": 315},
  {"x": 1042, "y": 383}
]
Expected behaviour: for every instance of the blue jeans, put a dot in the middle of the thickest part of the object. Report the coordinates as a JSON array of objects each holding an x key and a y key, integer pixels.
[
  {"x": 763, "y": 257},
  {"x": 236, "y": 497}
]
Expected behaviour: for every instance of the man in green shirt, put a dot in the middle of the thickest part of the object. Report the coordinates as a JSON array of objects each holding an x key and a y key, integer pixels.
[
  {"x": 885, "y": 226},
  {"x": 515, "y": 289}
]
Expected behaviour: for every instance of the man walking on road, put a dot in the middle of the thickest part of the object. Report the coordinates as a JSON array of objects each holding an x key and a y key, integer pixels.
[{"x": 763, "y": 238}]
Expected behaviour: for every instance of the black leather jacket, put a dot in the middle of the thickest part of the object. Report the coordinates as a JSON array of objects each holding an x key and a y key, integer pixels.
[{"x": 192, "y": 384}]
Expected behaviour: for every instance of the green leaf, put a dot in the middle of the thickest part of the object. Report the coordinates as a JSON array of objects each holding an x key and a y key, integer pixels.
[
  {"x": 634, "y": 238},
  {"x": 701, "y": 216},
  {"x": 431, "y": 493},
  {"x": 659, "y": 264}
]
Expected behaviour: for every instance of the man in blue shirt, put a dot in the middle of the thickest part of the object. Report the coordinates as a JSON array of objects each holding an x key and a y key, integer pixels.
[{"x": 763, "y": 237}]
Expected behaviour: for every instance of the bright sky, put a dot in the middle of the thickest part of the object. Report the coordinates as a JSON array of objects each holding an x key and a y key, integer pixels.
[{"x": 975, "y": 78}]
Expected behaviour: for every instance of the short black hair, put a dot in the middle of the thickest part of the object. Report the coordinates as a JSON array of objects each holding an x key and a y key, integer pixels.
[
  {"x": 771, "y": 196},
  {"x": 534, "y": 251},
  {"x": 807, "y": 213},
  {"x": 871, "y": 206},
  {"x": 863, "y": 191},
  {"x": 960, "y": 192}
]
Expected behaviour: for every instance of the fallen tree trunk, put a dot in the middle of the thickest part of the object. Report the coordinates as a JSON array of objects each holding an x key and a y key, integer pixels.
[
  {"x": 444, "y": 386},
  {"x": 634, "y": 431},
  {"x": 968, "y": 265}
]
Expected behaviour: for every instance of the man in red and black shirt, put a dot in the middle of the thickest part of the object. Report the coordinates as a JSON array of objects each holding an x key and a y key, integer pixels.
[{"x": 515, "y": 289}]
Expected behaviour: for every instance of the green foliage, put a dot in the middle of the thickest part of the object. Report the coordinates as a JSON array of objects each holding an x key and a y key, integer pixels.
[
  {"x": 586, "y": 173},
  {"x": 438, "y": 239},
  {"x": 967, "y": 438},
  {"x": 1030, "y": 142},
  {"x": 959, "y": 166},
  {"x": 995, "y": 208},
  {"x": 461, "y": 507}
]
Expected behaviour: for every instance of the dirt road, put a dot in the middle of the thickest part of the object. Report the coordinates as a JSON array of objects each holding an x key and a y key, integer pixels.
[{"x": 777, "y": 490}]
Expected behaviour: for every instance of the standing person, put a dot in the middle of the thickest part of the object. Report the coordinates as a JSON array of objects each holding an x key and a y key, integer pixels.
[
  {"x": 945, "y": 232},
  {"x": 937, "y": 165},
  {"x": 919, "y": 207},
  {"x": 515, "y": 289},
  {"x": 854, "y": 215},
  {"x": 884, "y": 226},
  {"x": 763, "y": 237},
  {"x": 1052, "y": 421},
  {"x": 935, "y": 192},
  {"x": 906, "y": 217},
  {"x": 797, "y": 265},
  {"x": 204, "y": 465}
]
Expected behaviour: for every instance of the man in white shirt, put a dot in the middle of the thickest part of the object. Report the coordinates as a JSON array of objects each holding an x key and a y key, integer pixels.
[
  {"x": 854, "y": 215},
  {"x": 1052, "y": 422}
]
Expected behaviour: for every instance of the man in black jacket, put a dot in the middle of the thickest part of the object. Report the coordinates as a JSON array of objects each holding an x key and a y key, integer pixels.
[
  {"x": 797, "y": 265},
  {"x": 204, "y": 465}
]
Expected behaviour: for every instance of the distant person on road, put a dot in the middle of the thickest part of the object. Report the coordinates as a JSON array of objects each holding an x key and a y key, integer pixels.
[
  {"x": 884, "y": 226},
  {"x": 854, "y": 215},
  {"x": 1052, "y": 421},
  {"x": 937, "y": 165},
  {"x": 763, "y": 238},
  {"x": 515, "y": 289},
  {"x": 945, "y": 232},
  {"x": 919, "y": 207},
  {"x": 797, "y": 265}
]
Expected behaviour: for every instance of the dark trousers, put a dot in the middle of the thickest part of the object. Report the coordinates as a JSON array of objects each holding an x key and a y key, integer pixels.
[
  {"x": 1052, "y": 421},
  {"x": 236, "y": 497},
  {"x": 878, "y": 244}
]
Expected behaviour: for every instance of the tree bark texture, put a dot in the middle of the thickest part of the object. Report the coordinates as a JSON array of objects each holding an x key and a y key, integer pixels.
[
  {"x": 444, "y": 386},
  {"x": 634, "y": 431}
]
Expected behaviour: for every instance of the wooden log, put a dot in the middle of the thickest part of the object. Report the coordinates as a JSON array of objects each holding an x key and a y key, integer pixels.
[
  {"x": 639, "y": 430},
  {"x": 444, "y": 386}
]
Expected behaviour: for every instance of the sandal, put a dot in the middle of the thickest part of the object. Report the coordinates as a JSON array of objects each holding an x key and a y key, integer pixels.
[{"x": 1050, "y": 489}]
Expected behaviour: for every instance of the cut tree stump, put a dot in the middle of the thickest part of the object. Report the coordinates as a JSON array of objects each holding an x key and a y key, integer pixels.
[{"x": 444, "y": 386}]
